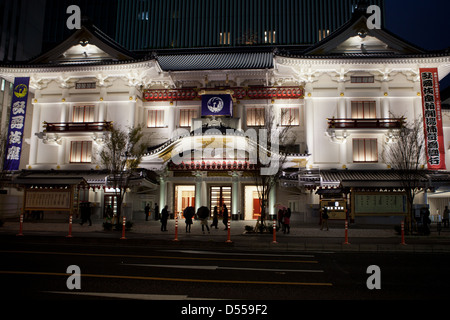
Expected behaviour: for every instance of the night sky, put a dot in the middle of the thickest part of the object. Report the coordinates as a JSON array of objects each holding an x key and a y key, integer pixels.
[{"x": 425, "y": 23}]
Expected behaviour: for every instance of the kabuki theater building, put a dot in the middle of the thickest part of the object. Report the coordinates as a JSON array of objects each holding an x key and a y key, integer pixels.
[{"x": 217, "y": 116}]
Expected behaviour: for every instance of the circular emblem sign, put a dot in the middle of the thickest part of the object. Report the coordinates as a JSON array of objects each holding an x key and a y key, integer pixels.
[
  {"x": 20, "y": 91},
  {"x": 215, "y": 104}
]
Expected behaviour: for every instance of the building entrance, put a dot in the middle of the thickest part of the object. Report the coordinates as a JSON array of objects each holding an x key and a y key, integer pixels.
[
  {"x": 110, "y": 200},
  {"x": 220, "y": 195},
  {"x": 184, "y": 197}
]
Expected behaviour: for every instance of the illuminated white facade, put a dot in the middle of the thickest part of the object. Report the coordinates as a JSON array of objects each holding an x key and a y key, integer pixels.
[{"x": 346, "y": 97}]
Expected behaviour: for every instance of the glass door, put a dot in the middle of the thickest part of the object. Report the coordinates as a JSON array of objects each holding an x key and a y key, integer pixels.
[{"x": 218, "y": 197}]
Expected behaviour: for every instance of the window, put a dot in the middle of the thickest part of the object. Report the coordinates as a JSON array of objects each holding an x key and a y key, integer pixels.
[
  {"x": 85, "y": 85},
  {"x": 255, "y": 116},
  {"x": 155, "y": 119},
  {"x": 224, "y": 38},
  {"x": 323, "y": 33},
  {"x": 83, "y": 114},
  {"x": 80, "y": 151},
  {"x": 365, "y": 150},
  {"x": 362, "y": 79},
  {"x": 364, "y": 110},
  {"x": 186, "y": 116},
  {"x": 270, "y": 36},
  {"x": 290, "y": 116}
]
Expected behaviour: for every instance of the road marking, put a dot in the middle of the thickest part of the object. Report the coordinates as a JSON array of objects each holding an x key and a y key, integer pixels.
[
  {"x": 216, "y": 267},
  {"x": 154, "y": 257},
  {"x": 134, "y": 296},
  {"x": 241, "y": 254},
  {"x": 109, "y": 276}
]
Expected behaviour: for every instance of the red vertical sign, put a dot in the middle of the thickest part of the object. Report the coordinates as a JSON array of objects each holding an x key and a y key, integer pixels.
[{"x": 432, "y": 119}]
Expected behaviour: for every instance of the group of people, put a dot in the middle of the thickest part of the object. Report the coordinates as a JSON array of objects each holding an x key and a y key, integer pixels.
[
  {"x": 284, "y": 219},
  {"x": 164, "y": 215},
  {"x": 203, "y": 214}
]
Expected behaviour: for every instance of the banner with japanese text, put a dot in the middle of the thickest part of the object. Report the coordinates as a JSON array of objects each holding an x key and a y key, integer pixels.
[
  {"x": 432, "y": 119},
  {"x": 16, "y": 124},
  {"x": 217, "y": 105}
]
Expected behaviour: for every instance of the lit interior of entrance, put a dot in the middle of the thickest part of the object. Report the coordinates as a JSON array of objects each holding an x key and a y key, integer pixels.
[
  {"x": 219, "y": 196},
  {"x": 252, "y": 203},
  {"x": 110, "y": 200},
  {"x": 184, "y": 197}
]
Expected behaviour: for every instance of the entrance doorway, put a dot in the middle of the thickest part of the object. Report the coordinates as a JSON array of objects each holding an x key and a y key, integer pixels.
[
  {"x": 220, "y": 195},
  {"x": 110, "y": 200},
  {"x": 184, "y": 197},
  {"x": 252, "y": 203}
]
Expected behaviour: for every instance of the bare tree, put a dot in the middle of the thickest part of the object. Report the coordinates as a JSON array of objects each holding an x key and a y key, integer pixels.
[
  {"x": 407, "y": 157},
  {"x": 273, "y": 143},
  {"x": 121, "y": 155}
]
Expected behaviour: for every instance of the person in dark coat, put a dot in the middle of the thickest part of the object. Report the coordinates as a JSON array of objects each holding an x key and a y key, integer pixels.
[
  {"x": 85, "y": 209},
  {"x": 203, "y": 215},
  {"x": 156, "y": 211},
  {"x": 147, "y": 211},
  {"x": 188, "y": 215},
  {"x": 426, "y": 222},
  {"x": 164, "y": 217},
  {"x": 225, "y": 216},
  {"x": 287, "y": 221},
  {"x": 215, "y": 215},
  {"x": 280, "y": 218}
]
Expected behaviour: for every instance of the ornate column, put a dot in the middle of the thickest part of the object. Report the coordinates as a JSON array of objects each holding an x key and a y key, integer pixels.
[
  {"x": 235, "y": 192},
  {"x": 309, "y": 120},
  {"x": 162, "y": 190},
  {"x": 198, "y": 188}
]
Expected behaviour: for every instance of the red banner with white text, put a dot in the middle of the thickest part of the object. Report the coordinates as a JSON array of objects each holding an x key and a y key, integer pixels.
[{"x": 432, "y": 119}]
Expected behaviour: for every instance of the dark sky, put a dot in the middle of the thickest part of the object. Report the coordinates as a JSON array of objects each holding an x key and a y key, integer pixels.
[{"x": 425, "y": 23}]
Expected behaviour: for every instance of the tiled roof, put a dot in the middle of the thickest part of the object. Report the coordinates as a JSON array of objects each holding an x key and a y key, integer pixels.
[
  {"x": 380, "y": 178},
  {"x": 214, "y": 61}
]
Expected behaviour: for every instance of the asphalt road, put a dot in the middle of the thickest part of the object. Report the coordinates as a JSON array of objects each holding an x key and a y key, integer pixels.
[{"x": 46, "y": 271}]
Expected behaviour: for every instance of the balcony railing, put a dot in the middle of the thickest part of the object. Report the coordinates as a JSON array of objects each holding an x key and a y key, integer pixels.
[
  {"x": 77, "y": 126},
  {"x": 388, "y": 123}
]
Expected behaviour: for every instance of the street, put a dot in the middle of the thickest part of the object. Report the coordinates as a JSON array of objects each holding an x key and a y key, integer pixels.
[{"x": 31, "y": 270}]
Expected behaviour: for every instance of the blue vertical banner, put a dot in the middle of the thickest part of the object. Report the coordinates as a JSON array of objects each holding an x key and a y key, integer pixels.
[
  {"x": 16, "y": 124},
  {"x": 217, "y": 105}
]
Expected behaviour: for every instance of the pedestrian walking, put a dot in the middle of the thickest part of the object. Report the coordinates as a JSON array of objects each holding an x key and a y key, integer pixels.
[
  {"x": 215, "y": 217},
  {"x": 147, "y": 211},
  {"x": 189, "y": 213},
  {"x": 203, "y": 214},
  {"x": 225, "y": 216},
  {"x": 426, "y": 222},
  {"x": 85, "y": 209},
  {"x": 324, "y": 218},
  {"x": 445, "y": 219},
  {"x": 280, "y": 218},
  {"x": 164, "y": 217},
  {"x": 287, "y": 221},
  {"x": 156, "y": 212}
]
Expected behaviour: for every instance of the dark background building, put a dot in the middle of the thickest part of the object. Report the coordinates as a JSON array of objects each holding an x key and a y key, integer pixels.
[
  {"x": 154, "y": 24},
  {"x": 147, "y": 24}
]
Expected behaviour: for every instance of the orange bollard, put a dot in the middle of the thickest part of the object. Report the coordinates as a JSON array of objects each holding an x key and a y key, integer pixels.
[
  {"x": 229, "y": 233},
  {"x": 70, "y": 227},
  {"x": 176, "y": 228},
  {"x": 123, "y": 228},
  {"x": 403, "y": 233},
  {"x": 274, "y": 231},
  {"x": 21, "y": 225},
  {"x": 346, "y": 233}
]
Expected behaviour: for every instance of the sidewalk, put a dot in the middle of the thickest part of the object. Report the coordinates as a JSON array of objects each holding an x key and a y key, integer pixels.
[{"x": 302, "y": 237}]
